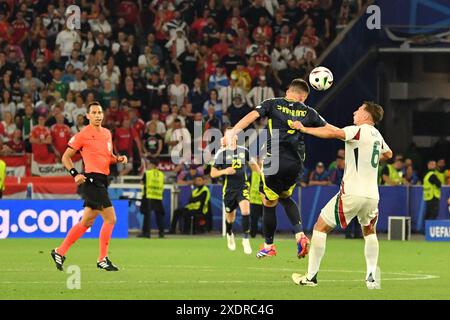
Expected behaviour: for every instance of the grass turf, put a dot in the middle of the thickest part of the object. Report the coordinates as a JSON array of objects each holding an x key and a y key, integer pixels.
[{"x": 203, "y": 268}]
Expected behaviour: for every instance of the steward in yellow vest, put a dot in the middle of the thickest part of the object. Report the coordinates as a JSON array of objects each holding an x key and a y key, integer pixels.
[
  {"x": 197, "y": 207},
  {"x": 392, "y": 173},
  {"x": 2, "y": 177},
  {"x": 432, "y": 191},
  {"x": 152, "y": 196}
]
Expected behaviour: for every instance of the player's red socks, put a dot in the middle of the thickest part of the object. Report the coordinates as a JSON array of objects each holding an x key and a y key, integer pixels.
[
  {"x": 74, "y": 234},
  {"x": 105, "y": 236}
]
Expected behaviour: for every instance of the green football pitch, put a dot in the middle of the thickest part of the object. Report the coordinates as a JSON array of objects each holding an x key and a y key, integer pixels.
[{"x": 203, "y": 268}]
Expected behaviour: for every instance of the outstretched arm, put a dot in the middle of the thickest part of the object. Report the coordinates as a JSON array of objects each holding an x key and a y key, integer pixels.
[
  {"x": 241, "y": 125},
  {"x": 326, "y": 132}
]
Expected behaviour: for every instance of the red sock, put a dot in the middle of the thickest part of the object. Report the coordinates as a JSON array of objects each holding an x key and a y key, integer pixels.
[
  {"x": 105, "y": 236},
  {"x": 74, "y": 234}
]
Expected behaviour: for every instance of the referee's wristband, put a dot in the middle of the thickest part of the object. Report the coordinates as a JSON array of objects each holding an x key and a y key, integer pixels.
[{"x": 73, "y": 172}]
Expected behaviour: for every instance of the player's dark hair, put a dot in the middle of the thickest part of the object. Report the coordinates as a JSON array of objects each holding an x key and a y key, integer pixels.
[
  {"x": 299, "y": 85},
  {"x": 93, "y": 103},
  {"x": 375, "y": 110}
]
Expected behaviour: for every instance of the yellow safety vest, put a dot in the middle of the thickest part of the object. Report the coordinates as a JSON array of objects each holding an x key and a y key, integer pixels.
[
  {"x": 430, "y": 190},
  {"x": 255, "y": 197},
  {"x": 442, "y": 176},
  {"x": 154, "y": 184},
  {"x": 2, "y": 174},
  {"x": 196, "y": 204},
  {"x": 393, "y": 174}
]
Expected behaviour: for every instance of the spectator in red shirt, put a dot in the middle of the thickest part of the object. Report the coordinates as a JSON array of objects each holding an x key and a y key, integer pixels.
[
  {"x": 263, "y": 32},
  {"x": 21, "y": 28},
  {"x": 199, "y": 23},
  {"x": 114, "y": 116},
  {"x": 124, "y": 137},
  {"x": 241, "y": 42},
  {"x": 16, "y": 144},
  {"x": 4, "y": 27},
  {"x": 61, "y": 134},
  {"x": 40, "y": 139},
  {"x": 285, "y": 37},
  {"x": 310, "y": 32},
  {"x": 4, "y": 149},
  {"x": 137, "y": 123},
  {"x": 129, "y": 10},
  {"x": 236, "y": 21},
  {"x": 221, "y": 48},
  {"x": 165, "y": 111},
  {"x": 162, "y": 16},
  {"x": 211, "y": 65},
  {"x": 262, "y": 57},
  {"x": 2, "y": 132},
  {"x": 252, "y": 67}
]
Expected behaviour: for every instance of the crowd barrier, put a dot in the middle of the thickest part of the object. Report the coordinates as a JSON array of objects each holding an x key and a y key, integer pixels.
[{"x": 394, "y": 201}]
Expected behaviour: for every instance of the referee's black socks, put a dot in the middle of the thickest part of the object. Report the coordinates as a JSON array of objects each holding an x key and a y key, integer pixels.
[
  {"x": 270, "y": 223},
  {"x": 293, "y": 214}
]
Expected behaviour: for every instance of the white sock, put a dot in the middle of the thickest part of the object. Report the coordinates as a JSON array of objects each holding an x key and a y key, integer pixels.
[
  {"x": 318, "y": 243},
  {"x": 371, "y": 253}
]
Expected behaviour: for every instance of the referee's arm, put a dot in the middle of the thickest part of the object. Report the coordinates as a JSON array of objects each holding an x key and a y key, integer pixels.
[
  {"x": 67, "y": 162},
  {"x": 67, "y": 158}
]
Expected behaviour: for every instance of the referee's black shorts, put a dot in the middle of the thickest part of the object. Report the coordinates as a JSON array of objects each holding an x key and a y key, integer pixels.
[
  {"x": 281, "y": 184},
  {"x": 94, "y": 191}
]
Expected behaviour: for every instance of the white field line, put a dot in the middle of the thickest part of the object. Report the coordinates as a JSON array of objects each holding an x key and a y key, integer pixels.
[{"x": 403, "y": 276}]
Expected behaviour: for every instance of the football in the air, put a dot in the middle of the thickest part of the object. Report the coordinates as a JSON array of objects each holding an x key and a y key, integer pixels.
[{"x": 321, "y": 78}]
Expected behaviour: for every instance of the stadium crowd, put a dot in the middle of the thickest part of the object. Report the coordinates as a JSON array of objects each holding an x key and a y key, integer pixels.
[{"x": 156, "y": 66}]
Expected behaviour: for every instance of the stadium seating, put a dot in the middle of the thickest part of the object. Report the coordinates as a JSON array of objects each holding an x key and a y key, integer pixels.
[{"x": 128, "y": 57}]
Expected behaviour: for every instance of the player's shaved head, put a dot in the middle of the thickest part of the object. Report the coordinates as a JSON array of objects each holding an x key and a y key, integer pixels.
[
  {"x": 298, "y": 90},
  {"x": 299, "y": 86}
]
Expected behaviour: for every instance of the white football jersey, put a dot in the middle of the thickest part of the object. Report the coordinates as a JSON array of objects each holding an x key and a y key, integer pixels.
[{"x": 363, "y": 148}]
